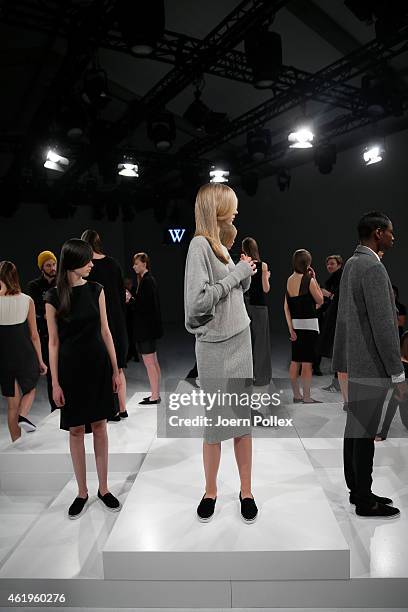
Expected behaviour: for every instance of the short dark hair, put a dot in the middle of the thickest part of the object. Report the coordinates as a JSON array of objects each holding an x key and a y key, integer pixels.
[
  {"x": 92, "y": 237},
  {"x": 301, "y": 260},
  {"x": 370, "y": 222},
  {"x": 9, "y": 276},
  {"x": 338, "y": 258}
]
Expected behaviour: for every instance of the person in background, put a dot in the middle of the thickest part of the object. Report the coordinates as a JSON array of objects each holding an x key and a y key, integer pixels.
[
  {"x": 147, "y": 323},
  {"x": 302, "y": 297},
  {"x": 107, "y": 272},
  {"x": 21, "y": 361},
  {"x": 401, "y": 311},
  {"x": 37, "y": 288},
  {"x": 258, "y": 313},
  {"x": 366, "y": 347},
  {"x": 85, "y": 374},
  {"x": 334, "y": 265},
  {"x": 394, "y": 400}
]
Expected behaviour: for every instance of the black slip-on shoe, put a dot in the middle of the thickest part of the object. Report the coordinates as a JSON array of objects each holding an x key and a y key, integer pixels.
[
  {"x": 25, "y": 424},
  {"x": 110, "y": 502},
  {"x": 115, "y": 418},
  {"x": 249, "y": 510},
  {"x": 148, "y": 401},
  {"x": 123, "y": 415},
  {"x": 377, "y": 511},
  {"x": 386, "y": 501},
  {"x": 205, "y": 509},
  {"x": 78, "y": 507}
]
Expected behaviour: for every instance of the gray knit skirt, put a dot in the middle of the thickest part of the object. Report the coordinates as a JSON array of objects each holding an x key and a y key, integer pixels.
[{"x": 225, "y": 373}]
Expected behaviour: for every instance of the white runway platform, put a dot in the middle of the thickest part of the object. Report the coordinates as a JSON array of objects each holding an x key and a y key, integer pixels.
[{"x": 307, "y": 549}]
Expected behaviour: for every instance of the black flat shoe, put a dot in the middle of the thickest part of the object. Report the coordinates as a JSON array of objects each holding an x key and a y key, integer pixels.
[
  {"x": 110, "y": 502},
  {"x": 148, "y": 401},
  {"x": 249, "y": 510},
  {"x": 377, "y": 511},
  {"x": 115, "y": 418},
  {"x": 123, "y": 415},
  {"x": 386, "y": 501},
  {"x": 77, "y": 508},
  {"x": 205, "y": 510}
]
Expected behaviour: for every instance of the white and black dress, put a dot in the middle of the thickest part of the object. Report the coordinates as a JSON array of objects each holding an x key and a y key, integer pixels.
[{"x": 302, "y": 309}]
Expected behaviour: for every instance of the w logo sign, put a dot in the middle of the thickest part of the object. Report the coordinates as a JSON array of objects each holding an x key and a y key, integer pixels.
[{"x": 176, "y": 234}]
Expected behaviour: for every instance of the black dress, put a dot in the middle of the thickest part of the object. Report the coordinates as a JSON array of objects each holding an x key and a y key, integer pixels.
[
  {"x": 108, "y": 273},
  {"x": 147, "y": 322},
  {"x": 18, "y": 359},
  {"x": 260, "y": 336},
  {"x": 326, "y": 340},
  {"x": 302, "y": 309},
  {"x": 84, "y": 368}
]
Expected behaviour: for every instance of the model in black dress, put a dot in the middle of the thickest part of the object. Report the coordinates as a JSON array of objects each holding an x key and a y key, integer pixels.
[
  {"x": 147, "y": 323},
  {"x": 302, "y": 296},
  {"x": 83, "y": 365},
  {"x": 108, "y": 273}
]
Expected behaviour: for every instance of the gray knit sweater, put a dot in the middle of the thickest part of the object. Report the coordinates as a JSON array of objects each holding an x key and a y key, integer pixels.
[{"x": 213, "y": 293}]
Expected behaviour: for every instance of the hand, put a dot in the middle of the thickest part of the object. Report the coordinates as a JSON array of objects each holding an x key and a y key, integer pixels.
[
  {"x": 311, "y": 272},
  {"x": 402, "y": 391},
  {"x": 128, "y": 296},
  {"x": 268, "y": 274},
  {"x": 116, "y": 381},
  {"x": 252, "y": 262},
  {"x": 293, "y": 336},
  {"x": 43, "y": 368},
  {"x": 58, "y": 396}
]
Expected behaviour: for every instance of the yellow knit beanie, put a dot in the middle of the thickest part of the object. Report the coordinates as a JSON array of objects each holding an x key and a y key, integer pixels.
[{"x": 45, "y": 256}]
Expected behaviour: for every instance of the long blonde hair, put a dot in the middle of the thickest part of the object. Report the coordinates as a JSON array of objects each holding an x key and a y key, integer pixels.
[
  {"x": 228, "y": 233},
  {"x": 214, "y": 203}
]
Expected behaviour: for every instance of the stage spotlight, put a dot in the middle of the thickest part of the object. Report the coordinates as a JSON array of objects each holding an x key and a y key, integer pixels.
[
  {"x": 218, "y": 175},
  {"x": 162, "y": 131},
  {"x": 141, "y": 24},
  {"x": 95, "y": 89},
  {"x": 301, "y": 138},
  {"x": 283, "y": 179},
  {"x": 325, "y": 157},
  {"x": 374, "y": 91},
  {"x": 259, "y": 144},
  {"x": 197, "y": 112},
  {"x": 263, "y": 51},
  {"x": 55, "y": 161},
  {"x": 128, "y": 167},
  {"x": 373, "y": 154}
]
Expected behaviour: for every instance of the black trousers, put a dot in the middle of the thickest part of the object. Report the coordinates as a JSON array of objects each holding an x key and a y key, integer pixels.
[
  {"x": 46, "y": 359},
  {"x": 365, "y": 406}
]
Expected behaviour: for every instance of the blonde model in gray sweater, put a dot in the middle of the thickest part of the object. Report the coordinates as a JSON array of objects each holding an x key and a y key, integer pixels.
[{"x": 215, "y": 313}]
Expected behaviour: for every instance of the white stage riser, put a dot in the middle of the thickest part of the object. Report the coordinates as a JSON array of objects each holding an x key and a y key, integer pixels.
[{"x": 357, "y": 593}]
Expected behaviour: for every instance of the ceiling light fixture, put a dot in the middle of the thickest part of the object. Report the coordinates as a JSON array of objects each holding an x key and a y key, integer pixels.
[
  {"x": 128, "y": 167},
  {"x": 55, "y": 161},
  {"x": 218, "y": 175}
]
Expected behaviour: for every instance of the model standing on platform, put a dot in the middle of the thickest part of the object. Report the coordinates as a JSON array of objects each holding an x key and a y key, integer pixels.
[
  {"x": 83, "y": 366},
  {"x": 366, "y": 347},
  {"x": 21, "y": 361},
  {"x": 107, "y": 272},
  {"x": 37, "y": 288},
  {"x": 258, "y": 313},
  {"x": 302, "y": 296},
  {"x": 215, "y": 313},
  {"x": 147, "y": 323}
]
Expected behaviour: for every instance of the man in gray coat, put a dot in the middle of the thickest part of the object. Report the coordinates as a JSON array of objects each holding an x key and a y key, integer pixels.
[{"x": 366, "y": 347}]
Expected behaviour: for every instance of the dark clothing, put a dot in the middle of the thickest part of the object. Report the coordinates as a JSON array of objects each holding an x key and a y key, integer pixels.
[
  {"x": 255, "y": 293},
  {"x": 401, "y": 311},
  {"x": 302, "y": 309},
  {"x": 107, "y": 272},
  {"x": 37, "y": 288},
  {"x": 146, "y": 347},
  {"x": 328, "y": 327},
  {"x": 84, "y": 367},
  {"x": 363, "y": 417},
  {"x": 147, "y": 323}
]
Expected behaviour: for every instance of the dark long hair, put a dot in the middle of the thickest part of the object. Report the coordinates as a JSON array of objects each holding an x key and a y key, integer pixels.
[
  {"x": 250, "y": 247},
  {"x": 92, "y": 237},
  {"x": 75, "y": 253},
  {"x": 9, "y": 276}
]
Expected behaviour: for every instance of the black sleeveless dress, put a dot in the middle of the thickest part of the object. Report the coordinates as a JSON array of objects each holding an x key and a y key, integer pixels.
[
  {"x": 84, "y": 368},
  {"x": 261, "y": 344},
  {"x": 303, "y": 312}
]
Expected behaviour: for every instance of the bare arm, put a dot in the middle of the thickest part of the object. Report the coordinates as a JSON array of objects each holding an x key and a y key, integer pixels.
[
  {"x": 316, "y": 292},
  {"x": 35, "y": 338},
  {"x": 106, "y": 333},
  {"x": 53, "y": 342},
  {"x": 265, "y": 278}
]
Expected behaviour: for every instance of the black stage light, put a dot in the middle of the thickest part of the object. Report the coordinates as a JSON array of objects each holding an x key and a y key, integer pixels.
[
  {"x": 141, "y": 24},
  {"x": 283, "y": 179},
  {"x": 249, "y": 183},
  {"x": 374, "y": 91},
  {"x": 197, "y": 112},
  {"x": 95, "y": 88},
  {"x": 259, "y": 144},
  {"x": 263, "y": 51},
  {"x": 162, "y": 131},
  {"x": 325, "y": 157}
]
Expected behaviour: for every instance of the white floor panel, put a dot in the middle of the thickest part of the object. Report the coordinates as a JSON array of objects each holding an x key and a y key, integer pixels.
[
  {"x": 158, "y": 536},
  {"x": 57, "y": 547}
]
